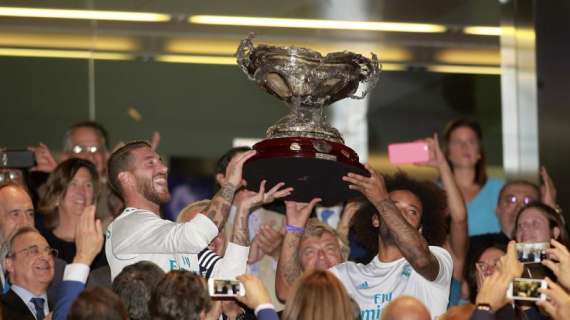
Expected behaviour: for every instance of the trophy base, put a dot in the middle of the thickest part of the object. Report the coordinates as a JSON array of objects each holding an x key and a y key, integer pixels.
[{"x": 313, "y": 167}]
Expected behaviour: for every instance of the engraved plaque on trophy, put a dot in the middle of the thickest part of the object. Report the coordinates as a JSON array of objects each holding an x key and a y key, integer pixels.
[{"x": 301, "y": 149}]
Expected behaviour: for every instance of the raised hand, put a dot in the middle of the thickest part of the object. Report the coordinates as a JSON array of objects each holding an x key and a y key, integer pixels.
[
  {"x": 234, "y": 170},
  {"x": 547, "y": 189},
  {"x": 436, "y": 156},
  {"x": 348, "y": 212},
  {"x": 88, "y": 237},
  {"x": 298, "y": 213},
  {"x": 250, "y": 199},
  {"x": 373, "y": 187},
  {"x": 155, "y": 140},
  {"x": 559, "y": 262},
  {"x": 509, "y": 264},
  {"x": 255, "y": 292},
  {"x": 557, "y": 304},
  {"x": 44, "y": 159}
]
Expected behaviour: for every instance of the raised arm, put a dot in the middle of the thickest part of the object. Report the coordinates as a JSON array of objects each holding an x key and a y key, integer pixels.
[
  {"x": 220, "y": 205},
  {"x": 250, "y": 200},
  {"x": 88, "y": 242},
  {"x": 459, "y": 238},
  {"x": 350, "y": 209},
  {"x": 408, "y": 240},
  {"x": 289, "y": 265},
  {"x": 235, "y": 258}
]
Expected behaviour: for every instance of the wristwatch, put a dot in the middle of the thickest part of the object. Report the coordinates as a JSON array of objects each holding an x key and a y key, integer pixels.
[{"x": 484, "y": 306}]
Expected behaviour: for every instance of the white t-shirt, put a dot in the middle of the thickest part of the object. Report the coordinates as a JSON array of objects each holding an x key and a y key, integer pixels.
[
  {"x": 374, "y": 285},
  {"x": 141, "y": 235}
]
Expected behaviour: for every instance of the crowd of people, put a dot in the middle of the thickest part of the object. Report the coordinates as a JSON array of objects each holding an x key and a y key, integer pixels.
[{"x": 84, "y": 238}]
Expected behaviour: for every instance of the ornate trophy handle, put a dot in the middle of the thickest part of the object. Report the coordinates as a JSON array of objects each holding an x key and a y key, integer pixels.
[
  {"x": 243, "y": 54},
  {"x": 371, "y": 73}
]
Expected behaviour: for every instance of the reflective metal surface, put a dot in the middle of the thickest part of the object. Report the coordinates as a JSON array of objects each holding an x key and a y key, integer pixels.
[{"x": 307, "y": 81}]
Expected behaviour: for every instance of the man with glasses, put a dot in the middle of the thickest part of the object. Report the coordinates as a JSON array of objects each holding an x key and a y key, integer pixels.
[
  {"x": 30, "y": 266},
  {"x": 87, "y": 140},
  {"x": 513, "y": 196},
  {"x": 16, "y": 210}
]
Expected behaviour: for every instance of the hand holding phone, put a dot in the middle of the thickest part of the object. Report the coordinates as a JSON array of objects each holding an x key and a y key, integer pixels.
[
  {"x": 526, "y": 289},
  {"x": 225, "y": 287},
  {"x": 409, "y": 152}
]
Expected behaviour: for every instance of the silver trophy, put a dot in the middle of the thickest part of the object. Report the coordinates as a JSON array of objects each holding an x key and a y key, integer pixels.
[{"x": 296, "y": 146}]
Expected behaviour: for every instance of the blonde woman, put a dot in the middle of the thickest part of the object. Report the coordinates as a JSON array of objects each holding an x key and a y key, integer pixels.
[{"x": 319, "y": 295}]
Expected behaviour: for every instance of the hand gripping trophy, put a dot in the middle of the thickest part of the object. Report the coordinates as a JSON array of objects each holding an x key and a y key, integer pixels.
[{"x": 301, "y": 149}]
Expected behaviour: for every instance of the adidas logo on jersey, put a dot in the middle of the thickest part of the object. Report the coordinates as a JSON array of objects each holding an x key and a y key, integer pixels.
[{"x": 363, "y": 285}]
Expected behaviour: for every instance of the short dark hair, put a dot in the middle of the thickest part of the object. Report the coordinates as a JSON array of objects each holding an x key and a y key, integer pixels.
[
  {"x": 433, "y": 204},
  {"x": 477, "y": 246},
  {"x": 480, "y": 166},
  {"x": 100, "y": 131},
  {"x": 180, "y": 294},
  {"x": 134, "y": 285},
  {"x": 518, "y": 182},
  {"x": 57, "y": 185},
  {"x": 98, "y": 303},
  {"x": 120, "y": 161},
  {"x": 222, "y": 163}
]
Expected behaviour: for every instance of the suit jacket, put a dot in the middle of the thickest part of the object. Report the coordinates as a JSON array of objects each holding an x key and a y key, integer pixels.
[
  {"x": 68, "y": 292},
  {"x": 14, "y": 308},
  {"x": 267, "y": 314}
]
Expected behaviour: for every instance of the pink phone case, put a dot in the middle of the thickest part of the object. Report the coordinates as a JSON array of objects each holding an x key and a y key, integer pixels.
[{"x": 410, "y": 152}]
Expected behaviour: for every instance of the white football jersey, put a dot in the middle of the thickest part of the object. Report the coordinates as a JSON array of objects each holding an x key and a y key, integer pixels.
[{"x": 374, "y": 285}]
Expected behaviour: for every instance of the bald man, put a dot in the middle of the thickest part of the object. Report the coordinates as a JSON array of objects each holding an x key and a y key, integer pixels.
[
  {"x": 16, "y": 211},
  {"x": 406, "y": 308}
]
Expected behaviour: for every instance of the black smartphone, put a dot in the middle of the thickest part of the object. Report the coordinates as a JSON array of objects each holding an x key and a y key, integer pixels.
[{"x": 21, "y": 159}]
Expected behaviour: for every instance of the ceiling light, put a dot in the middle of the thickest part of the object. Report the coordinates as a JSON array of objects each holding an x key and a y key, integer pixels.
[
  {"x": 317, "y": 24},
  {"x": 482, "y": 30},
  {"x": 469, "y": 56},
  {"x": 196, "y": 59},
  {"x": 67, "y": 41},
  {"x": 70, "y": 54},
  {"x": 83, "y": 14},
  {"x": 464, "y": 69}
]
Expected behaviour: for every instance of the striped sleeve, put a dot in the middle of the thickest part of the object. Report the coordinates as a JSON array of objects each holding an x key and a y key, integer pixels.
[{"x": 207, "y": 259}]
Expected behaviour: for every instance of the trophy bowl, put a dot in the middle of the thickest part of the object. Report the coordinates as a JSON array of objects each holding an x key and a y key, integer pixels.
[{"x": 302, "y": 149}]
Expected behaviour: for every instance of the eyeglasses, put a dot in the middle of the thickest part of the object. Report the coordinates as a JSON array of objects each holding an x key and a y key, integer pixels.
[
  {"x": 486, "y": 268},
  {"x": 8, "y": 176},
  {"x": 34, "y": 251},
  {"x": 78, "y": 148},
  {"x": 514, "y": 199}
]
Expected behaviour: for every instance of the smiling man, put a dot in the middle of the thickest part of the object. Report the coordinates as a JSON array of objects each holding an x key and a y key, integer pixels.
[
  {"x": 138, "y": 176},
  {"x": 30, "y": 267},
  {"x": 16, "y": 210}
]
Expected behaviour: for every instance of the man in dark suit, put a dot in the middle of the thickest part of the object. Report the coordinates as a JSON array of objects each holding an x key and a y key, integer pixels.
[
  {"x": 30, "y": 267},
  {"x": 16, "y": 210}
]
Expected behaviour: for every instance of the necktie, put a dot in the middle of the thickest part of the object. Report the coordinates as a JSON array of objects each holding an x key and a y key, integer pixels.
[{"x": 39, "y": 305}]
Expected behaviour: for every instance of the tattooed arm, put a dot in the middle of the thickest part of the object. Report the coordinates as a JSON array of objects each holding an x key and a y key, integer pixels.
[
  {"x": 220, "y": 205},
  {"x": 289, "y": 264},
  {"x": 408, "y": 240},
  {"x": 248, "y": 200}
]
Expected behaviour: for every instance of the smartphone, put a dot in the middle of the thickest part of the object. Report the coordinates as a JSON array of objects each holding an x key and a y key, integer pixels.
[
  {"x": 526, "y": 289},
  {"x": 20, "y": 159},
  {"x": 534, "y": 252},
  {"x": 221, "y": 287},
  {"x": 410, "y": 152}
]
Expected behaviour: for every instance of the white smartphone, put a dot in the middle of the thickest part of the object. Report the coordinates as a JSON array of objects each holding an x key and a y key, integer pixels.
[
  {"x": 526, "y": 289},
  {"x": 224, "y": 287},
  {"x": 535, "y": 252}
]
